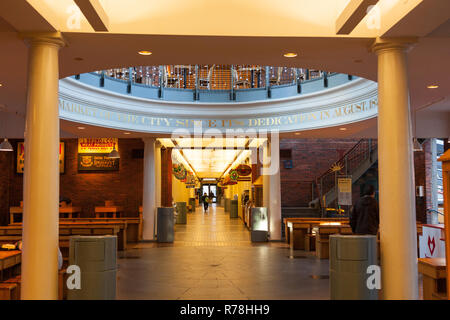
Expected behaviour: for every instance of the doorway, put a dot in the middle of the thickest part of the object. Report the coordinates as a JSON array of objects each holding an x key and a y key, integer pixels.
[{"x": 210, "y": 188}]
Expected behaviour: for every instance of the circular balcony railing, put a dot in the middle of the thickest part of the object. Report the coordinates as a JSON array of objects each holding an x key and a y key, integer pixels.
[{"x": 213, "y": 83}]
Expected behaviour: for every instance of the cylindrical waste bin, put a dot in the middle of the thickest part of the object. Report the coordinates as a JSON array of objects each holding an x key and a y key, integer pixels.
[
  {"x": 181, "y": 212},
  {"x": 165, "y": 224},
  {"x": 192, "y": 204},
  {"x": 233, "y": 208},
  {"x": 227, "y": 205},
  {"x": 260, "y": 224},
  {"x": 350, "y": 256},
  {"x": 96, "y": 256}
]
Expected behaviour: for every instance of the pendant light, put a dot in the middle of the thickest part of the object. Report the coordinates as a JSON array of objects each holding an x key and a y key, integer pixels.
[
  {"x": 114, "y": 154},
  {"x": 6, "y": 145},
  {"x": 416, "y": 145}
]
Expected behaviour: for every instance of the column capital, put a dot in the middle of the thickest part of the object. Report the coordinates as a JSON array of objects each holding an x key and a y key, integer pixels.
[
  {"x": 149, "y": 140},
  {"x": 52, "y": 38},
  {"x": 383, "y": 44}
]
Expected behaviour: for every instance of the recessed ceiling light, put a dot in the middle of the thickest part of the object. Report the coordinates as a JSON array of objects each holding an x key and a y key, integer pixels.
[
  {"x": 81, "y": 128},
  {"x": 1, "y": 85},
  {"x": 433, "y": 86},
  {"x": 298, "y": 133},
  {"x": 145, "y": 53},
  {"x": 290, "y": 55},
  {"x": 342, "y": 129},
  {"x": 126, "y": 133}
]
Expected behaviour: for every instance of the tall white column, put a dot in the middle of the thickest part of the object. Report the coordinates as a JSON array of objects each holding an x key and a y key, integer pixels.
[
  {"x": 272, "y": 186},
  {"x": 157, "y": 182},
  {"x": 396, "y": 173},
  {"x": 149, "y": 190},
  {"x": 41, "y": 174}
]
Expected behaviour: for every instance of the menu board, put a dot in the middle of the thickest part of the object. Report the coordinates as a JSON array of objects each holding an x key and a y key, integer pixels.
[
  {"x": 93, "y": 154},
  {"x": 21, "y": 157}
]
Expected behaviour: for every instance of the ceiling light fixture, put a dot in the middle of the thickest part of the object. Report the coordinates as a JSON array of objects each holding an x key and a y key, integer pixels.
[
  {"x": 342, "y": 129},
  {"x": 127, "y": 133},
  {"x": 145, "y": 53},
  {"x": 114, "y": 154},
  {"x": 297, "y": 133},
  {"x": 290, "y": 55},
  {"x": 433, "y": 86},
  {"x": 6, "y": 146},
  {"x": 416, "y": 145},
  {"x": 81, "y": 128}
]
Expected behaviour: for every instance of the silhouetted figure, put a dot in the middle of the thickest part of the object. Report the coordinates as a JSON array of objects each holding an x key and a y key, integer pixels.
[{"x": 365, "y": 216}]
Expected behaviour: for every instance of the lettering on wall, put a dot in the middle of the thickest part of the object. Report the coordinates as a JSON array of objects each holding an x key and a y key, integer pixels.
[{"x": 298, "y": 120}]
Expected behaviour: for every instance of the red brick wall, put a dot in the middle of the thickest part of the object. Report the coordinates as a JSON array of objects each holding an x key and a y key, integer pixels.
[
  {"x": 311, "y": 158},
  {"x": 86, "y": 190}
]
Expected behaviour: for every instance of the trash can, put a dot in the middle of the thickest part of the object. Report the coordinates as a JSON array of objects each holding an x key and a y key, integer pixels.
[
  {"x": 96, "y": 256},
  {"x": 227, "y": 205},
  {"x": 350, "y": 255},
  {"x": 181, "y": 212},
  {"x": 260, "y": 225},
  {"x": 233, "y": 208},
  {"x": 165, "y": 224},
  {"x": 192, "y": 204}
]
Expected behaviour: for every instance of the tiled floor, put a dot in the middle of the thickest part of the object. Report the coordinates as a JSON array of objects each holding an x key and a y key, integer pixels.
[{"x": 212, "y": 258}]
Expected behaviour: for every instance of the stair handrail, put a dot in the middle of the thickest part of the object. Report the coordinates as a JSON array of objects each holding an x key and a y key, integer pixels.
[{"x": 344, "y": 161}]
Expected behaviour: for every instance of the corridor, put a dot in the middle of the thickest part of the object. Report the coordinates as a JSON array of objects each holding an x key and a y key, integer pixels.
[{"x": 212, "y": 258}]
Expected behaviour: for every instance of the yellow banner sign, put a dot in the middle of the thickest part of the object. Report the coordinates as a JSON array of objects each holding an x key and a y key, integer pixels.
[
  {"x": 97, "y": 145},
  {"x": 21, "y": 157}
]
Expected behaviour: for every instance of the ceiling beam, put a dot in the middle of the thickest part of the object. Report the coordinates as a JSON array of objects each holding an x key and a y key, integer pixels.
[
  {"x": 23, "y": 17},
  {"x": 94, "y": 13},
  {"x": 352, "y": 15}
]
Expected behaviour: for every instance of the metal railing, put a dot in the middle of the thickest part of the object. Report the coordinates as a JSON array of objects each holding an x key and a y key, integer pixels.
[
  {"x": 347, "y": 165},
  {"x": 213, "y": 77}
]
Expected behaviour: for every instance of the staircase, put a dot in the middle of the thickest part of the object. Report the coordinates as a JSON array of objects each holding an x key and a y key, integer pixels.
[{"x": 355, "y": 162}]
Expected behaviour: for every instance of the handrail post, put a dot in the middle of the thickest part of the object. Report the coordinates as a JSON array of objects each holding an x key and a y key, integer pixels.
[
  {"x": 269, "y": 94},
  {"x": 196, "y": 83},
  {"x": 161, "y": 82},
  {"x": 232, "y": 97}
]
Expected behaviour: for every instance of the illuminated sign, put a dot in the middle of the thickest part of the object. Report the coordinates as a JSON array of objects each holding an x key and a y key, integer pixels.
[
  {"x": 21, "y": 157},
  {"x": 93, "y": 154}
]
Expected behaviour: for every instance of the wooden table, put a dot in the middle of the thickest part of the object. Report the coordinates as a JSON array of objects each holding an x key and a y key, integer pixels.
[
  {"x": 434, "y": 277},
  {"x": 9, "y": 259},
  {"x": 115, "y": 210},
  {"x": 63, "y": 211},
  {"x": 297, "y": 228}
]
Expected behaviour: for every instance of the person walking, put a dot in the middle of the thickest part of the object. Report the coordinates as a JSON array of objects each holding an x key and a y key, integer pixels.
[
  {"x": 365, "y": 215},
  {"x": 205, "y": 201}
]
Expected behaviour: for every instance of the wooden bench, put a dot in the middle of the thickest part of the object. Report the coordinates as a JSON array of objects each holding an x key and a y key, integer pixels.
[
  {"x": 9, "y": 291},
  {"x": 323, "y": 238},
  {"x": 62, "y": 288},
  {"x": 10, "y": 234},
  {"x": 434, "y": 277}
]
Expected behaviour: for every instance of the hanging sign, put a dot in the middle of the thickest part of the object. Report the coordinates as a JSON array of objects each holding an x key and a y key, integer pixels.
[
  {"x": 179, "y": 171},
  {"x": 93, "y": 154},
  {"x": 21, "y": 157},
  {"x": 345, "y": 191},
  {"x": 244, "y": 170}
]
